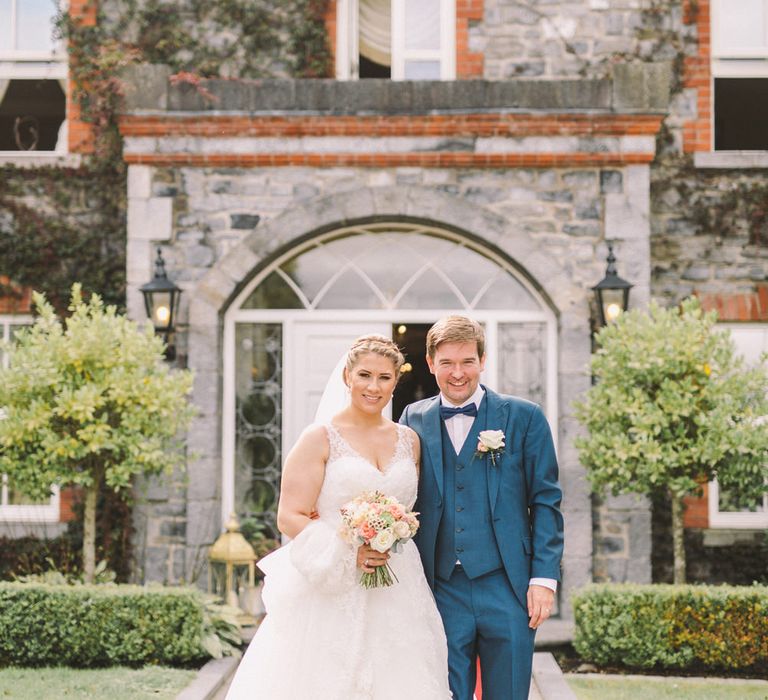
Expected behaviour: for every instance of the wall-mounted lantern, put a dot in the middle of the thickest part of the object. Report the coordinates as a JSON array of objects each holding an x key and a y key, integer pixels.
[
  {"x": 161, "y": 300},
  {"x": 611, "y": 293}
]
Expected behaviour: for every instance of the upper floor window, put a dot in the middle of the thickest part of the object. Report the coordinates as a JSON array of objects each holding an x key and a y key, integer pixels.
[
  {"x": 33, "y": 73},
  {"x": 397, "y": 39},
  {"x": 740, "y": 74},
  {"x": 726, "y": 509}
]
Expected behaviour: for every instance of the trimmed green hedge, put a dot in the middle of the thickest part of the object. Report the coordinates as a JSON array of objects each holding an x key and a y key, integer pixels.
[
  {"x": 673, "y": 626},
  {"x": 83, "y": 626}
]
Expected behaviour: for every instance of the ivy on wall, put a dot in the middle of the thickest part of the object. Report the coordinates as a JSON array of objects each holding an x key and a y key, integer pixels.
[
  {"x": 63, "y": 225},
  {"x": 59, "y": 226}
]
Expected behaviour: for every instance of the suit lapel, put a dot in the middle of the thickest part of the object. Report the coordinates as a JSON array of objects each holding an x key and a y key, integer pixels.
[
  {"x": 433, "y": 438},
  {"x": 497, "y": 418}
]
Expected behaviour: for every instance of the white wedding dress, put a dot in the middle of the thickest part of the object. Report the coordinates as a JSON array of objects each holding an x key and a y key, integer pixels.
[{"x": 326, "y": 637}]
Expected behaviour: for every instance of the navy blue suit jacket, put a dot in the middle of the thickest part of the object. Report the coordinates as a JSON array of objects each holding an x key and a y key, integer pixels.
[{"x": 523, "y": 489}]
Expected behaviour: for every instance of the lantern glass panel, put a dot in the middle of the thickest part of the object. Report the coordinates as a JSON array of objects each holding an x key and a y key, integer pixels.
[
  {"x": 613, "y": 304},
  {"x": 162, "y": 310}
]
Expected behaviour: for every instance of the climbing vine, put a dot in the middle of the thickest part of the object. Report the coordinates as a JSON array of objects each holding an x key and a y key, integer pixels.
[{"x": 61, "y": 225}]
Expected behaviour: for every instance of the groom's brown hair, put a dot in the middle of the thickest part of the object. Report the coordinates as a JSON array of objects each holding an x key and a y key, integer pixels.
[{"x": 455, "y": 329}]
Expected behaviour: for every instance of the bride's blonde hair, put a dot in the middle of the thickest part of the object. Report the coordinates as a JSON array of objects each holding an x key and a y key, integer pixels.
[{"x": 377, "y": 344}]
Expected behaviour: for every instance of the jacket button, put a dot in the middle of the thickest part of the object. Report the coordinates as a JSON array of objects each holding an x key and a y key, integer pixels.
[
  {"x": 459, "y": 529},
  {"x": 459, "y": 549},
  {"x": 459, "y": 467},
  {"x": 460, "y": 487},
  {"x": 459, "y": 509}
]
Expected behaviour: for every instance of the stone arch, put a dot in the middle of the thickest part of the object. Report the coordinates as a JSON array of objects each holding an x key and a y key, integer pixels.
[{"x": 218, "y": 288}]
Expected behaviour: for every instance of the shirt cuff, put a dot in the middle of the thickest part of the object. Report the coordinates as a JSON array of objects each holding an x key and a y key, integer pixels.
[{"x": 546, "y": 582}]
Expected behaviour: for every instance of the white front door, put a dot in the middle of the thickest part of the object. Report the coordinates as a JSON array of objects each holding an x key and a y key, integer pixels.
[{"x": 312, "y": 350}]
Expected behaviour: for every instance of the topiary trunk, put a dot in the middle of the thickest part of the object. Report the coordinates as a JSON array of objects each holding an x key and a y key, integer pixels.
[
  {"x": 89, "y": 527},
  {"x": 678, "y": 542}
]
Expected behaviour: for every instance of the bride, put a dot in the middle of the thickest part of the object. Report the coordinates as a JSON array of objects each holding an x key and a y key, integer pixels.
[{"x": 325, "y": 636}]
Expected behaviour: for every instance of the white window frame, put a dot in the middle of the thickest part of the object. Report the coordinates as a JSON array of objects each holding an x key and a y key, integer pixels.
[
  {"x": 23, "y": 513},
  {"x": 347, "y": 41},
  {"x": 756, "y": 336},
  {"x": 36, "y": 65},
  {"x": 733, "y": 62}
]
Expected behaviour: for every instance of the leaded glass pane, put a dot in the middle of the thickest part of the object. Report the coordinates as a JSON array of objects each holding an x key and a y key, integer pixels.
[
  {"x": 273, "y": 293},
  {"x": 469, "y": 271},
  {"x": 313, "y": 268},
  {"x": 430, "y": 291},
  {"x": 523, "y": 360},
  {"x": 507, "y": 293},
  {"x": 349, "y": 291},
  {"x": 258, "y": 419}
]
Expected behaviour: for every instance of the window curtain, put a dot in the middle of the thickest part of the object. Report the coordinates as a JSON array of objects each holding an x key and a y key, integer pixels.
[
  {"x": 376, "y": 31},
  {"x": 3, "y": 87}
]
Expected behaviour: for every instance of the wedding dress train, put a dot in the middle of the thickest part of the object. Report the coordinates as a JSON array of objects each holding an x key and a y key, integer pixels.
[{"x": 326, "y": 637}]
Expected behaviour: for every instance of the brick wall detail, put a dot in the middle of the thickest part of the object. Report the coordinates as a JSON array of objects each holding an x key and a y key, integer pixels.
[
  {"x": 697, "y": 133},
  {"x": 17, "y": 300},
  {"x": 469, "y": 64},
  {"x": 697, "y": 509},
  {"x": 67, "y": 499},
  {"x": 472, "y": 140},
  {"x": 80, "y": 132},
  {"x": 749, "y": 306}
]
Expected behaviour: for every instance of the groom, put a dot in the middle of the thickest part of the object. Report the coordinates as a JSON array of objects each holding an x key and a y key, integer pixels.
[{"x": 491, "y": 534}]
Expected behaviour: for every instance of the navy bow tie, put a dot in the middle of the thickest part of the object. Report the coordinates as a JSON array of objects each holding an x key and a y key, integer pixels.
[{"x": 447, "y": 412}]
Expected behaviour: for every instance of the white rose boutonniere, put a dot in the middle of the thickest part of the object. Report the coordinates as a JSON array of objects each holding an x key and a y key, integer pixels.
[{"x": 490, "y": 442}]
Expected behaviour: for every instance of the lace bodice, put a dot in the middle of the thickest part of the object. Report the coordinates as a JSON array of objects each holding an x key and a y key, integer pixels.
[{"x": 348, "y": 474}]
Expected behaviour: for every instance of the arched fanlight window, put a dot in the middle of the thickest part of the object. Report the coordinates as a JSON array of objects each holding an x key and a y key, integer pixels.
[{"x": 381, "y": 267}]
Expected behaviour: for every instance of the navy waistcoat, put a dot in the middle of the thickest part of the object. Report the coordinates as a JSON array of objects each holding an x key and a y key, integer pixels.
[{"x": 465, "y": 533}]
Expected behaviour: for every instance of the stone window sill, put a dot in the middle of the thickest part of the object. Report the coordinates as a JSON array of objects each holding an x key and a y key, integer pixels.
[
  {"x": 731, "y": 159},
  {"x": 726, "y": 537},
  {"x": 40, "y": 159}
]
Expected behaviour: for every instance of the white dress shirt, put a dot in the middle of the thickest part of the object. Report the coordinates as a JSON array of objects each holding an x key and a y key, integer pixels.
[{"x": 458, "y": 428}]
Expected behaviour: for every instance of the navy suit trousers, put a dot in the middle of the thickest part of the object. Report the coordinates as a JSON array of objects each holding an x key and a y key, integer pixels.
[{"x": 483, "y": 617}]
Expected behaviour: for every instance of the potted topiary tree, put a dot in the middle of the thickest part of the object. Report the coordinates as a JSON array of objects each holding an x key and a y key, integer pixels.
[
  {"x": 672, "y": 407},
  {"x": 89, "y": 401}
]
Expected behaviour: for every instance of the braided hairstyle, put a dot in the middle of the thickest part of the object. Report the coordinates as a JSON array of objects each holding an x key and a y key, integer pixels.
[{"x": 377, "y": 344}]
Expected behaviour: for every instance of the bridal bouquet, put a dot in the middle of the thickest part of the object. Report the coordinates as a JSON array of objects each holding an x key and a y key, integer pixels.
[{"x": 382, "y": 522}]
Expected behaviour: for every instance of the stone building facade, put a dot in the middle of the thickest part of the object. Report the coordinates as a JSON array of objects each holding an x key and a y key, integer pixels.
[
  {"x": 565, "y": 126},
  {"x": 539, "y": 175}
]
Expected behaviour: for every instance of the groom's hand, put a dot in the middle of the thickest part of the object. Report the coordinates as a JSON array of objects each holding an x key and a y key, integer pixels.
[{"x": 540, "y": 602}]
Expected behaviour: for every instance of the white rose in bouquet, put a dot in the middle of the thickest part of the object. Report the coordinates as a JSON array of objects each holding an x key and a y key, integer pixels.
[
  {"x": 402, "y": 530},
  {"x": 383, "y": 541}
]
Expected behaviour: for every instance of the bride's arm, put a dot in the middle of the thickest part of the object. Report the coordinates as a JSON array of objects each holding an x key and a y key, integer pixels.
[
  {"x": 415, "y": 448},
  {"x": 303, "y": 473}
]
